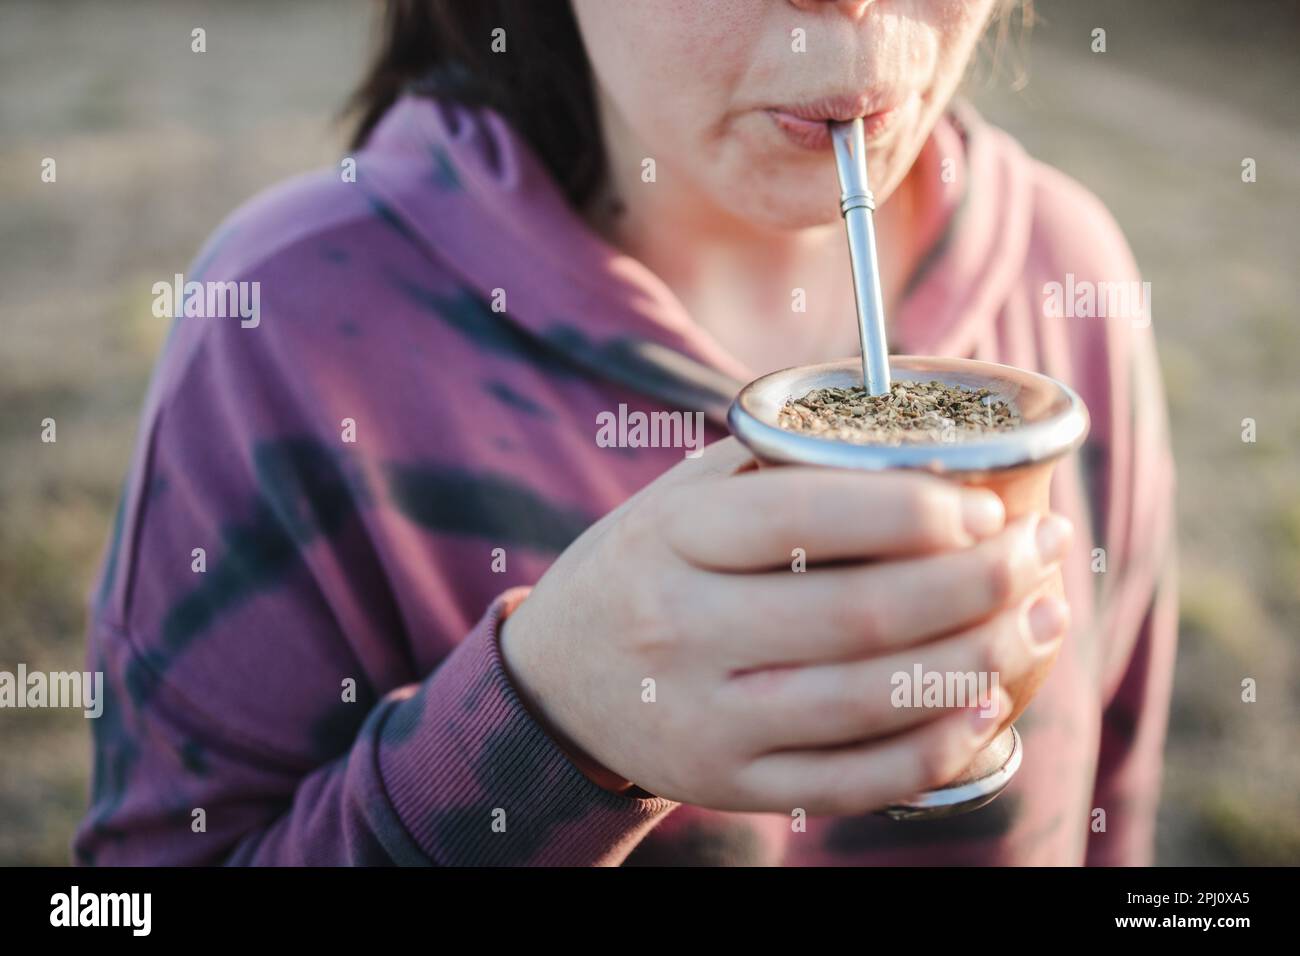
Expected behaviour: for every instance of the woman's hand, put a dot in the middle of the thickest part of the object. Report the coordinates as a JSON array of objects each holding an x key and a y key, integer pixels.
[{"x": 772, "y": 688}]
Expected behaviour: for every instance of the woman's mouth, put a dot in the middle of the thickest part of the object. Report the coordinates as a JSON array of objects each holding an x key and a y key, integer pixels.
[{"x": 805, "y": 124}]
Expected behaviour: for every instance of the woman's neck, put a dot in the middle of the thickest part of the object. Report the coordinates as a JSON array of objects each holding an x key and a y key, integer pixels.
[{"x": 739, "y": 282}]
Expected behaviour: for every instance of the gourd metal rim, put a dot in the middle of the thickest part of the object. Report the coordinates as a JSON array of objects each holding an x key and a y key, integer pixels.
[
  {"x": 752, "y": 419},
  {"x": 950, "y": 801}
]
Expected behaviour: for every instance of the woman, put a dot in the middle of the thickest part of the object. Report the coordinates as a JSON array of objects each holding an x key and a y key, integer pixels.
[{"x": 361, "y": 605}]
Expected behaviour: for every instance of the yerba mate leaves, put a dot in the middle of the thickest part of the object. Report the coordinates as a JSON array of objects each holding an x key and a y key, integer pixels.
[{"x": 911, "y": 412}]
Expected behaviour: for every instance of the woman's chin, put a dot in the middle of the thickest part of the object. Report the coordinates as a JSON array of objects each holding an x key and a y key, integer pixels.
[
  {"x": 787, "y": 213},
  {"x": 791, "y": 199}
]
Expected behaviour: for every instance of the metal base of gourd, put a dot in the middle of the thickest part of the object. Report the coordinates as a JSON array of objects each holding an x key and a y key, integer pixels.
[{"x": 986, "y": 777}]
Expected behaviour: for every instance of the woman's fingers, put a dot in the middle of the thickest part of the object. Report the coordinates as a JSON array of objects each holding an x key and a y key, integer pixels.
[
  {"x": 836, "y": 704},
  {"x": 851, "y": 780},
  {"x": 841, "y": 613},
  {"x": 756, "y": 520},
  {"x": 721, "y": 459}
]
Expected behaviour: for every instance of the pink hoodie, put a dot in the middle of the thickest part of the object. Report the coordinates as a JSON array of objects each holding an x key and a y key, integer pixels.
[{"x": 328, "y": 688}]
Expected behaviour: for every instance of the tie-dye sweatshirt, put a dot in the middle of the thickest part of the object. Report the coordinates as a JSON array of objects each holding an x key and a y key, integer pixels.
[{"x": 329, "y": 510}]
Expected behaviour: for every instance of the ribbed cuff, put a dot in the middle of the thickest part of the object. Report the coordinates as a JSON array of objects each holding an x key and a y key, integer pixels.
[{"x": 476, "y": 781}]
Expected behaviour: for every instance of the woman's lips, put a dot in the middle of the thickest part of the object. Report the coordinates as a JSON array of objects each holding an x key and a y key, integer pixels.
[{"x": 806, "y": 125}]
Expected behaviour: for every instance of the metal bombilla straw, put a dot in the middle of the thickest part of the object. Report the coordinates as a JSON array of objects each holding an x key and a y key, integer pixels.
[{"x": 856, "y": 206}]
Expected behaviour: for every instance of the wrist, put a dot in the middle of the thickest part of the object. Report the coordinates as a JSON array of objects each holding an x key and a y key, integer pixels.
[{"x": 587, "y": 765}]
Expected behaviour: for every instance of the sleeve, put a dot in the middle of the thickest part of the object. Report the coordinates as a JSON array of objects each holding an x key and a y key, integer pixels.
[
  {"x": 450, "y": 771},
  {"x": 1141, "y": 618},
  {"x": 292, "y": 672}
]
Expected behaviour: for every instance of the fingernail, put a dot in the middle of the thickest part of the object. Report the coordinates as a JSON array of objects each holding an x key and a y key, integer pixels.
[
  {"x": 1047, "y": 619},
  {"x": 1051, "y": 538},
  {"x": 984, "y": 718},
  {"x": 982, "y": 513}
]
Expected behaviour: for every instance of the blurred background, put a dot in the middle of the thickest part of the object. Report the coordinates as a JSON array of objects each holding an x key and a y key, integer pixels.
[{"x": 155, "y": 145}]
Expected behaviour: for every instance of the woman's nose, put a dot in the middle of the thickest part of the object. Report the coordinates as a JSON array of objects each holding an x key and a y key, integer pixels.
[{"x": 850, "y": 8}]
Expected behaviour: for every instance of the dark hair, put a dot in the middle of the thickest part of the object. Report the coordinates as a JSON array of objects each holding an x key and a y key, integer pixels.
[{"x": 541, "y": 84}]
